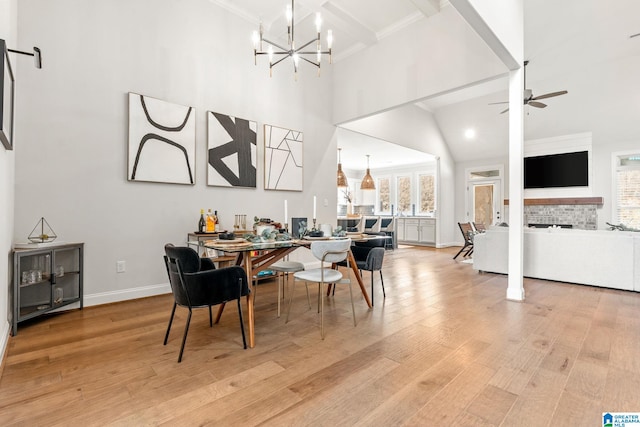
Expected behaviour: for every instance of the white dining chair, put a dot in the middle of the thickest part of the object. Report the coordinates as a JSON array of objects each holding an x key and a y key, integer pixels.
[{"x": 327, "y": 251}]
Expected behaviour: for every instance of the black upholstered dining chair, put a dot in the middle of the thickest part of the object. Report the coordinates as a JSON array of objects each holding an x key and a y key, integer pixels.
[
  {"x": 196, "y": 283},
  {"x": 369, "y": 256}
]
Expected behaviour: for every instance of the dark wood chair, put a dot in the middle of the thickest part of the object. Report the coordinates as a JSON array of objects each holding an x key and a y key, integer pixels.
[
  {"x": 196, "y": 283},
  {"x": 479, "y": 227},
  {"x": 467, "y": 233}
]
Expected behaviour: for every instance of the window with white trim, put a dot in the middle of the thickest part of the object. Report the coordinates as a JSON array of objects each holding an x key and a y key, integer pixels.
[
  {"x": 403, "y": 193},
  {"x": 627, "y": 190},
  {"x": 384, "y": 195}
]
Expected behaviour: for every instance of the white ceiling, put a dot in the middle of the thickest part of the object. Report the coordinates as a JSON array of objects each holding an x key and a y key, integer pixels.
[
  {"x": 382, "y": 154},
  {"x": 355, "y": 23},
  {"x": 582, "y": 46}
]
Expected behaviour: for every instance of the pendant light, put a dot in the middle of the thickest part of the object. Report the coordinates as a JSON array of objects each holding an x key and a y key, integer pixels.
[
  {"x": 367, "y": 181},
  {"x": 342, "y": 178}
]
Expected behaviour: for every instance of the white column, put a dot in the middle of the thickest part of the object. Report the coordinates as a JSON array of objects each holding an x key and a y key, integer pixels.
[{"x": 515, "y": 289}]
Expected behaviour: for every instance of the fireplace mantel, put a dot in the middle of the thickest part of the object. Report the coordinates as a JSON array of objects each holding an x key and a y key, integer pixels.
[{"x": 563, "y": 201}]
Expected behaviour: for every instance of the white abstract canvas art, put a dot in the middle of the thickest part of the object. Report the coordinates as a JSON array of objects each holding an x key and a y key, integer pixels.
[
  {"x": 162, "y": 141},
  {"x": 231, "y": 153},
  {"x": 282, "y": 159}
]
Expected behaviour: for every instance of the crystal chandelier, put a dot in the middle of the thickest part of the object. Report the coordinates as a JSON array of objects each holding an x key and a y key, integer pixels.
[{"x": 292, "y": 51}]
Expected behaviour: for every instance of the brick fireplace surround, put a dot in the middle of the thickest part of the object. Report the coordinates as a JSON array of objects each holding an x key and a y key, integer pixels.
[{"x": 579, "y": 212}]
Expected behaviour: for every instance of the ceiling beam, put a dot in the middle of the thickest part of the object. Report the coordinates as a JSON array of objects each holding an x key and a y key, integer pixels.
[
  {"x": 348, "y": 24},
  {"x": 428, "y": 7},
  {"x": 470, "y": 14}
]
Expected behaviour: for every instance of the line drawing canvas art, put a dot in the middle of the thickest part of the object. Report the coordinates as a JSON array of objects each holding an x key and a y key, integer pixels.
[
  {"x": 231, "y": 154},
  {"x": 282, "y": 159},
  {"x": 162, "y": 141}
]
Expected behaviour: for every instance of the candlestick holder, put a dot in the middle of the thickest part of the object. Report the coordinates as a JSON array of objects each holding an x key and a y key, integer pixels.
[
  {"x": 286, "y": 227},
  {"x": 314, "y": 224}
]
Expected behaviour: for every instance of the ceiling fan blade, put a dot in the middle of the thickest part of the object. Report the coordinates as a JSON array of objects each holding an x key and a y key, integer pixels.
[
  {"x": 502, "y": 112},
  {"x": 536, "y": 104},
  {"x": 549, "y": 95},
  {"x": 495, "y": 103}
]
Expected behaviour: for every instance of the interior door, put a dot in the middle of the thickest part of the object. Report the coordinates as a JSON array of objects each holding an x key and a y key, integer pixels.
[{"x": 485, "y": 202}]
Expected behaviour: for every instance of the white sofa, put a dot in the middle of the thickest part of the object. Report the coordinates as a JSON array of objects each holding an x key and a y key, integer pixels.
[{"x": 591, "y": 257}]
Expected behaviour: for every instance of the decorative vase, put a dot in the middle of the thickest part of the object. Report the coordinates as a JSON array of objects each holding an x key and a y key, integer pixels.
[{"x": 349, "y": 209}]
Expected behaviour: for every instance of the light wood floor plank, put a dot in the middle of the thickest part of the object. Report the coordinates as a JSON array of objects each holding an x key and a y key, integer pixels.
[{"x": 444, "y": 347}]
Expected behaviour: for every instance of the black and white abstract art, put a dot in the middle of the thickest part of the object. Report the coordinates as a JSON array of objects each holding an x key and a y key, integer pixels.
[
  {"x": 282, "y": 159},
  {"x": 162, "y": 141},
  {"x": 231, "y": 154}
]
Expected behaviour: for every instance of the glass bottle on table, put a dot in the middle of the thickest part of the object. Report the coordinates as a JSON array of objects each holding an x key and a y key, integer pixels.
[
  {"x": 216, "y": 221},
  {"x": 211, "y": 225},
  {"x": 202, "y": 224}
]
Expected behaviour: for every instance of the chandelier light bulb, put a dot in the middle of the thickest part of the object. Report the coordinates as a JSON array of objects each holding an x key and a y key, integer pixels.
[
  {"x": 318, "y": 22},
  {"x": 289, "y": 14},
  {"x": 329, "y": 39},
  {"x": 256, "y": 39}
]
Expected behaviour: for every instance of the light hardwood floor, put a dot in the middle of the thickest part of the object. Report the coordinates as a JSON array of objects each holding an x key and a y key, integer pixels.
[{"x": 444, "y": 348}]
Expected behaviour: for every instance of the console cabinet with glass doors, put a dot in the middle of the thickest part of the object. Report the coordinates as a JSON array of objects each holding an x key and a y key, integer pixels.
[{"x": 45, "y": 279}]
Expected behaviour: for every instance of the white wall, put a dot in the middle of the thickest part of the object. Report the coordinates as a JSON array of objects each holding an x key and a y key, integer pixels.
[
  {"x": 72, "y": 117},
  {"x": 429, "y": 57},
  {"x": 413, "y": 127},
  {"x": 8, "y": 19}
]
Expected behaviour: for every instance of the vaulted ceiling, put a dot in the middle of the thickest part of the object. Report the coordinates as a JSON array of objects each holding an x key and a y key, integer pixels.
[
  {"x": 582, "y": 46},
  {"x": 356, "y": 24}
]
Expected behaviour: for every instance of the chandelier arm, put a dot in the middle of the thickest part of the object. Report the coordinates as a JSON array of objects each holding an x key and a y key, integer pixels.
[
  {"x": 310, "y": 61},
  {"x": 306, "y": 44},
  {"x": 326, "y": 52},
  {"x": 279, "y": 61},
  {"x": 276, "y": 45}
]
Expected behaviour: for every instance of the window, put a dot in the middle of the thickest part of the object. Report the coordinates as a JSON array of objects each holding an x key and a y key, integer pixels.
[
  {"x": 404, "y": 194},
  {"x": 426, "y": 186},
  {"x": 384, "y": 195},
  {"x": 627, "y": 191}
]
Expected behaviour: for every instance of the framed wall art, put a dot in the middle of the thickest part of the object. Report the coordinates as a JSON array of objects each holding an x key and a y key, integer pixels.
[
  {"x": 283, "y": 167},
  {"x": 7, "y": 95},
  {"x": 162, "y": 141},
  {"x": 231, "y": 151},
  {"x": 298, "y": 227}
]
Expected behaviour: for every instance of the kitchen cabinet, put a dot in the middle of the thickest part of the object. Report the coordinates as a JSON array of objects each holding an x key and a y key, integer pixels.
[{"x": 416, "y": 230}]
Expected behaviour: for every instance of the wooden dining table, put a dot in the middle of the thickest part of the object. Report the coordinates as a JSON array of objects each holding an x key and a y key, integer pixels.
[{"x": 269, "y": 253}]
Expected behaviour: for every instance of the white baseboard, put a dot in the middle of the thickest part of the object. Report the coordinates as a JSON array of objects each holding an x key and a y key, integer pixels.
[
  {"x": 126, "y": 294},
  {"x": 448, "y": 245},
  {"x": 4, "y": 339}
]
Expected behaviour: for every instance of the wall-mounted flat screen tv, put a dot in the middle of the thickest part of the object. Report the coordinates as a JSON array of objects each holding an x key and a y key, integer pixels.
[{"x": 557, "y": 170}]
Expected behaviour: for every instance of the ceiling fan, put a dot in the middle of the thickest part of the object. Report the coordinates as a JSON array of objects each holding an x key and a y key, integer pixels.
[{"x": 529, "y": 99}]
